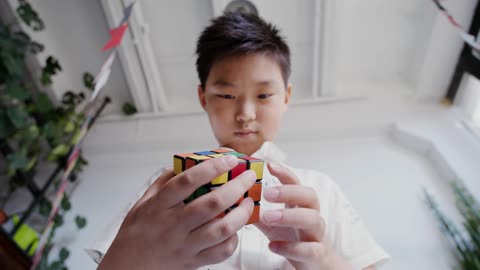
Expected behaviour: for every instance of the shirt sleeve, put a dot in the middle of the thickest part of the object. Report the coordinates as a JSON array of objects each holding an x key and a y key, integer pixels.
[
  {"x": 104, "y": 239},
  {"x": 344, "y": 227},
  {"x": 351, "y": 237}
]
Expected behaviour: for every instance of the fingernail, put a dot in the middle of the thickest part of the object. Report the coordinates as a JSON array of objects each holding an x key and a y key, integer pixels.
[
  {"x": 275, "y": 165},
  {"x": 272, "y": 216},
  {"x": 230, "y": 160},
  {"x": 248, "y": 200},
  {"x": 271, "y": 193},
  {"x": 252, "y": 175},
  {"x": 274, "y": 247}
]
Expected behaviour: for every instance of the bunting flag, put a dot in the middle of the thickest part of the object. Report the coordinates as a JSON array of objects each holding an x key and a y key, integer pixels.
[
  {"x": 101, "y": 79},
  {"x": 467, "y": 38},
  {"x": 116, "y": 34}
]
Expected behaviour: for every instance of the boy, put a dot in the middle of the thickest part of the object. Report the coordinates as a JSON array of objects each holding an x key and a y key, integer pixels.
[{"x": 243, "y": 65}]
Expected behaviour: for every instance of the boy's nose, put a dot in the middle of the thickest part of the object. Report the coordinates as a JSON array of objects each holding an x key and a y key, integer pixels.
[{"x": 245, "y": 112}]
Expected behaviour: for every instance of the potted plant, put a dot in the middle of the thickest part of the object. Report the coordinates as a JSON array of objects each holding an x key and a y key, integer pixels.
[
  {"x": 33, "y": 129},
  {"x": 466, "y": 242}
]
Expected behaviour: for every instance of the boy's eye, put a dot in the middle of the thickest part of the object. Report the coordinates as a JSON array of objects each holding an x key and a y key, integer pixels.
[
  {"x": 226, "y": 96},
  {"x": 264, "y": 96}
]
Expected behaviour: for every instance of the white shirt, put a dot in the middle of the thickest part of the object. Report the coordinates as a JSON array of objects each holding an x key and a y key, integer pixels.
[{"x": 344, "y": 228}]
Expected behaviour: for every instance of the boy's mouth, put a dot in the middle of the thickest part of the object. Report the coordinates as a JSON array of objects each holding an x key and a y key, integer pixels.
[{"x": 245, "y": 133}]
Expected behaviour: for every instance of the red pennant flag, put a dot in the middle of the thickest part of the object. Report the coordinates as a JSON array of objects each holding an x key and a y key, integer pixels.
[{"x": 116, "y": 35}]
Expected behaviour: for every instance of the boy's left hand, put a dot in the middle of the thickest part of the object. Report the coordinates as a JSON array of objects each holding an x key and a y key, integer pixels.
[{"x": 297, "y": 232}]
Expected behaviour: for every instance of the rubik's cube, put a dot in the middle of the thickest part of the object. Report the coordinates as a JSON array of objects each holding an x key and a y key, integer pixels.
[{"x": 182, "y": 162}]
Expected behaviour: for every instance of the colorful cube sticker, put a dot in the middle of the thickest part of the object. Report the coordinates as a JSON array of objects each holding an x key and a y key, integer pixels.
[{"x": 182, "y": 162}]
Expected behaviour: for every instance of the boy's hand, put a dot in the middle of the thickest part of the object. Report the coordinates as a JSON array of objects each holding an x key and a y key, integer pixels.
[
  {"x": 297, "y": 232},
  {"x": 161, "y": 231}
]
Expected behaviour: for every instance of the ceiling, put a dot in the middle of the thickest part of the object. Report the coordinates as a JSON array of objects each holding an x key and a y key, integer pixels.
[{"x": 332, "y": 43}]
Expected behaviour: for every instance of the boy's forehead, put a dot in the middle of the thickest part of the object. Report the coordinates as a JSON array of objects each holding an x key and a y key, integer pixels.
[{"x": 259, "y": 69}]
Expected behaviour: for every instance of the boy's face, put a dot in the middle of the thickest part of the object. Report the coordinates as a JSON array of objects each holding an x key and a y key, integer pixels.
[{"x": 245, "y": 98}]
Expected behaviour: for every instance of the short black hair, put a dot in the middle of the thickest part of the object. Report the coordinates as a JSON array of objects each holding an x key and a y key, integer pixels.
[{"x": 237, "y": 33}]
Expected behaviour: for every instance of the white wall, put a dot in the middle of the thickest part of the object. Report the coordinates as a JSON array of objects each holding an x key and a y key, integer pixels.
[
  {"x": 384, "y": 41},
  {"x": 469, "y": 97}
]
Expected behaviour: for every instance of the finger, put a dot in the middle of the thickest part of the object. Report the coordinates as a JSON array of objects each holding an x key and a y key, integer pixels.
[
  {"x": 157, "y": 185},
  {"x": 306, "y": 252},
  {"x": 307, "y": 220},
  {"x": 297, "y": 195},
  {"x": 277, "y": 233},
  {"x": 185, "y": 183},
  {"x": 218, "y": 253},
  {"x": 205, "y": 208},
  {"x": 285, "y": 175},
  {"x": 217, "y": 231}
]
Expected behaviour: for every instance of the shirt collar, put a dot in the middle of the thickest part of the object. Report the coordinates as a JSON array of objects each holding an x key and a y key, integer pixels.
[{"x": 270, "y": 152}]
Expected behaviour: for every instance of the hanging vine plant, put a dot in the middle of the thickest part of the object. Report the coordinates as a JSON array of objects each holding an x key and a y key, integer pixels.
[{"x": 33, "y": 129}]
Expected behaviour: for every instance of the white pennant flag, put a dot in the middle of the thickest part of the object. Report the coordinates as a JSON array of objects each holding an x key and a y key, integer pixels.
[{"x": 102, "y": 77}]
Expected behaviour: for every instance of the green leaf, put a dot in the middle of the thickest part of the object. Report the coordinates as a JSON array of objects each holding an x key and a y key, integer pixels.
[
  {"x": 44, "y": 104},
  {"x": 10, "y": 172},
  {"x": 64, "y": 253},
  {"x": 31, "y": 133},
  {"x": 81, "y": 221},
  {"x": 31, "y": 163},
  {"x": 60, "y": 150},
  {"x": 17, "y": 160},
  {"x": 68, "y": 97},
  {"x": 46, "y": 78},
  {"x": 66, "y": 205},
  {"x": 14, "y": 90},
  {"x": 88, "y": 81},
  {"x": 18, "y": 116},
  {"x": 45, "y": 207},
  {"x": 12, "y": 65},
  {"x": 36, "y": 47},
  {"x": 51, "y": 68},
  {"x": 56, "y": 265},
  {"x": 48, "y": 129},
  {"x": 129, "y": 109},
  {"x": 69, "y": 127},
  {"x": 4, "y": 125},
  {"x": 76, "y": 137},
  {"x": 58, "y": 220},
  {"x": 29, "y": 16}
]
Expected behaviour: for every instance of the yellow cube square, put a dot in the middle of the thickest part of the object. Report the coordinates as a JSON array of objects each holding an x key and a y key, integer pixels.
[
  {"x": 222, "y": 179},
  {"x": 257, "y": 167}
]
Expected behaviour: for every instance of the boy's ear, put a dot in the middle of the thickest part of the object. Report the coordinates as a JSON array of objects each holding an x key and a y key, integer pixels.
[
  {"x": 288, "y": 94},
  {"x": 201, "y": 96}
]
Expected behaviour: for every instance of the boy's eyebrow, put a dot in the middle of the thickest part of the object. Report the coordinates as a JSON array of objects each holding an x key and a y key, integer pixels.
[
  {"x": 221, "y": 82},
  {"x": 267, "y": 82}
]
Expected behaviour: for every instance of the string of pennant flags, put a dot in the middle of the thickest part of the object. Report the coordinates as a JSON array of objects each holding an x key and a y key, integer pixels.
[
  {"x": 468, "y": 38},
  {"x": 116, "y": 35}
]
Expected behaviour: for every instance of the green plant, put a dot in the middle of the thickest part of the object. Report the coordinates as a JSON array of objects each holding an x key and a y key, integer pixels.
[
  {"x": 466, "y": 244},
  {"x": 32, "y": 128},
  {"x": 129, "y": 109}
]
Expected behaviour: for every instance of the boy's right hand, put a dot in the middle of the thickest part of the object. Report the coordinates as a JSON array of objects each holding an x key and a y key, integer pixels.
[{"x": 161, "y": 232}]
